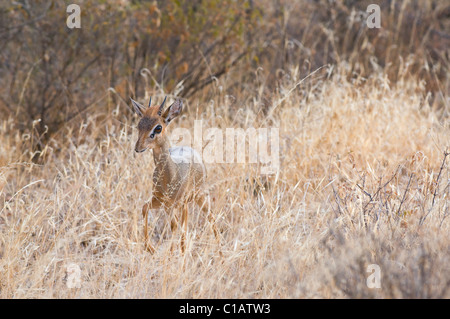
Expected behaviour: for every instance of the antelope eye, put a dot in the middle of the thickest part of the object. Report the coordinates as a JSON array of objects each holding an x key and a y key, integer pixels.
[{"x": 158, "y": 129}]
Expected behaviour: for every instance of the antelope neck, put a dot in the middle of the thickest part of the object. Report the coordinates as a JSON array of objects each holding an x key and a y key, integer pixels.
[{"x": 161, "y": 155}]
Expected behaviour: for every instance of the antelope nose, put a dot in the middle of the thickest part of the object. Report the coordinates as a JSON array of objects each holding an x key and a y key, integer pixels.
[{"x": 137, "y": 149}]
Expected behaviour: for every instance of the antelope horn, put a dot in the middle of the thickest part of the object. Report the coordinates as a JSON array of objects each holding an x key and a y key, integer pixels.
[
  {"x": 162, "y": 106},
  {"x": 150, "y": 102}
]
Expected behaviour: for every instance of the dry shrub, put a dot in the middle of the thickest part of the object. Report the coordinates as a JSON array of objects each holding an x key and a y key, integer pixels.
[
  {"x": 362, "y": 181},
  {"x": 51, "y": 77}
]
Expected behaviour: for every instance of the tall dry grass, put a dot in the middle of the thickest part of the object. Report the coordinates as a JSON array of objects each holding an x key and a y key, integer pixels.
[{"x": 363, "y": 180}]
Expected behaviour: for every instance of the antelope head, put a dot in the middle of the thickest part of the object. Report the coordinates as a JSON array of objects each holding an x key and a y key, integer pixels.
[{"x": 153, "y": 123}]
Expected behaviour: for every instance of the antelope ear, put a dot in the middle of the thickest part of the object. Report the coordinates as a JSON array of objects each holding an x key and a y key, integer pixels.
[
  {"x": 138, "y": 108},
  {"x": 172, "y": 111}
]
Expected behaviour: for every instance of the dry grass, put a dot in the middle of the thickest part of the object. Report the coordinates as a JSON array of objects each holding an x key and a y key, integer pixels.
[{"x": 358, "y": 185}]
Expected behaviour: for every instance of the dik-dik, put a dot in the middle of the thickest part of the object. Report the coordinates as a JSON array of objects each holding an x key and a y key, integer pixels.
[{"x": 179, "y": 173}]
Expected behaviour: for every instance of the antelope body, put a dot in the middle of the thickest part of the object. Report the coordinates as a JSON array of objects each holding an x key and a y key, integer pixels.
[{"x": 179, "y": 171}]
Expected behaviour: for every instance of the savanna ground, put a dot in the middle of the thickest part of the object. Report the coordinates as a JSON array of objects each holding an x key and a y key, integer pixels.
[{"x": 364, "y": 179}]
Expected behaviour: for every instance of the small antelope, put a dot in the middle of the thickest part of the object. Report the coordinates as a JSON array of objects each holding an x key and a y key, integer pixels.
[{"x": 179, "y": 173}]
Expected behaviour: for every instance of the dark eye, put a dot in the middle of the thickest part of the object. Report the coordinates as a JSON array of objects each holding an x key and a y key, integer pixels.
[
  {"x": 152, "y": 135},
  {"x": 158, "y": 129}
]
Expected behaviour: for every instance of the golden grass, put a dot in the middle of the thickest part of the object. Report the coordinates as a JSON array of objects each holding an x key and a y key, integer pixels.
[{"x": 358, "y": 185}]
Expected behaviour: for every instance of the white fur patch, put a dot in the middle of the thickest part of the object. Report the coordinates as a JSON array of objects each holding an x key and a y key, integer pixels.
[{"x": 184, "y": 154}]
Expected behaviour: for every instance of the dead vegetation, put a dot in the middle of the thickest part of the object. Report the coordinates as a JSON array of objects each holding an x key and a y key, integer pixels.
[{"x": 364, "y": 177}]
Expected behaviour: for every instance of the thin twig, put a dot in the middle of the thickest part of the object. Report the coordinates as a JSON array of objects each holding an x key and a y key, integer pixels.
[
  {"x": 404, "y": 194},
  {"x": 422, "y": 219},
  {"x": 446, "y": 153}
]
